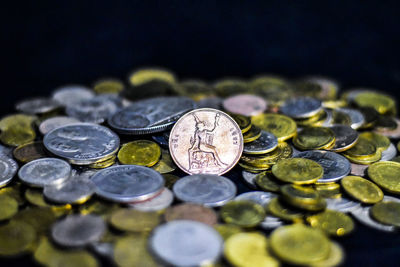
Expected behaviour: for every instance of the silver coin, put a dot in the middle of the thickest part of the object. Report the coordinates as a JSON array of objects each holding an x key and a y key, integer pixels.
[
  {"x": 301, "y": 107},
  {"x": 250, "y": 178},
  {"x": 389, "y": 153},
  {"x": 362, "y": 214},
  {"x": 271, "y": 222},
  {"x": 264, "y": 144},
  {"x": 356, "y": 117},
  {"x": 78, "y": 230},
  {"x": 210, "y": 102},
  {"x": 391, "y": 198},
  {"x": 329, "y": 118},
  {"x": 259, "y": 197},
  {"x": 55, "y": 122},
  {"x": 295, "y": 151},
  {"x": 128, "y": 183},
  {"x": 358, "y": 169},
  {"x": 82, "y": 143},
  {"x": 335, "y": 166},
  {"x": 393, "y": 134},
  {"x": 157, "y": 203},
  {"x": 73, "y": 190},
  {"x": 45, "y": 171},
  {"x": 186, "y": 243},
  {"x": 342, "y": 204},
  {"x": 37, "y": 105},
  {"x": 6, "y": 151},
  {"x": 150, "y": 115},
  {"x": 72, "y": 94},
  {"x": 207, "y": 189},
  {"x": 95, "y": 110},
  {"x": 346, "y": 137},
  {"x": 105, "y": 249},
  {"x": 8, "y": 169}
]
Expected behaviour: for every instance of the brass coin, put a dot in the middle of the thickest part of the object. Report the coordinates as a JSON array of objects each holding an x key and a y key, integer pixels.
[
  {"x": 227, "y": 230},
  {"x": 165, "y": 164},
  {"x": 287, "y": 242},
  {"x": 380, "y": 102},
  {"x": 305, "y": 198},
  {"x": 317, "y": 120},
  {"x": 332, "y": 222},
  {"x": 314, "y": 138},
  {"x": 108, "y": 86},
  {"x": 134, "y": 221},
  {"x": 9, "y": 207},
  {"x": 267, "y": 182},
  {"x": 13, "y": 191},
  {"x": 362, "y": 148},
  {"x": 335, "y": 257},
  {"x": 283, "y": 151},
  {"x": 251, "y": 168},
  {"x": 16, "y": 237},
  {"x": 243, "y": 122},
  {"x": 30, "y": 151},
  {"x": 297, "y": 171},
  {"x": 365, "y": 160},
  {"x": 253, "y": 134},
  {"x": 381, "y": 142},
  {"x": 104, "y": 164},
  {"x": 281, "y": 210},
  {"x": 146, "y": 75},
  {"x": 17, "y": 129},
  {"x": 242, "y": 213},
  {"x": 330, "y": 190},
  {"x": 386, "y": 174},
  {"x": 193, "y": 212},
  {"x": 133, "y": 250},
  {"x": 140, "y": 152},
  {"x": 387, "y": 212},
  {"x": 281, "y": 126},
  {"x": 361, "y": 189},
  {"x": 170, "y": 180}
]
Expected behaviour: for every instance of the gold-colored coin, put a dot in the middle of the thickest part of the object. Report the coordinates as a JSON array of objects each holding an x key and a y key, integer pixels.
[
  {"x": 335, "y": 257},
  {"x": 17, "y": 129},
  {"x": 365, "y": 160},
  {"x": 362, "y": 189},
  {"x": 281, "y": 126},
  {"x": 30, "y": 151},
  {"x": 134, "y": 220},
  {"x": 267, "y": 182},
  {"x": 386, "y": 174},
  {"x": 387, "y": 212},
  {"x": 9, "y": 207},
  {"x": 297, "y": 171},
  {"x": 16, "y": 120},
  {"x": 227, "y": 230},
  {"x": 253, "y": 134},
  {"x": 146, "y": 75},
  {"x": 381, "y": 142},
  {"x": 283, "y": 151},
  {"x": 165, "y": 164},
  {"x": 316, "y": 120},
  {"x": 36, "y": 198},
  {"x": 133, "y": 250},
  {"x": 140, "y": 152},
  {"x": 254, "y": 161},
  {"x": 170, "y": 180},
  {"x": 328, "y": 190},
  {"x": 13, "y": 191},
  {"x": 363, "y": 148},
  {"x": 382, "y": 103},
  {"x": 103, "y": 164},
  {"x": 228, "y": 87},
  {"x": 16, "y": 237},
  {"x": 251, "y": 168},
  {"x": 40, "y": 218},
  {"x": 305, "y": 198},
  {"x": 248, "y": 250},
  {"x": 332, "y": 222},
  {"x": 108, "y": 86},
  {"x": 281, "y": 210},
  {"x": 243, "y": 122},
  {"x": 273, "y": 88},
  {"x": 288, "y": 243},
  {"x": 314, "y": 138},
  {"x": 242, "y": 213}
]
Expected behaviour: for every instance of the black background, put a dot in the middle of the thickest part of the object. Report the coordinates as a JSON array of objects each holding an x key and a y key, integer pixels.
[{"x": 45, "y": 44}]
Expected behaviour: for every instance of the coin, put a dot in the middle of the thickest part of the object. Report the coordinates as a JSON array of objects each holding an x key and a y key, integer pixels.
[
  {"x": 132, "y": 250},
  {"x": 362, "y": 148},
  {"x": 145, "y": 75},
  {"x": 16, "y": 237},
  {"x": 382, "y": 103},
  {"x": 358, "y": 169},
  {"x": 298, "y": 171},
  {"x": 206, "y": 141},
  {"x": 305, "y": 198},
  {"x": 391, "y": 133},
  {"x": 30, "y": 151},
  {"x": 139, "y": 152},
  {"x": 72, "y": 191},
  {"x": 356, "y": 117},
  {"x": 249, "y": 178},
  {"x": 278, "y": 208},
  {"x": 9, "y": 207},
  {"x": 259, "y": 197},
  {"x": 17, "y": 129},
  {"x": 301, "y": 107},
  {"x": 8, "y": 168},
  {"x": 389, "y": 153},
  {"x": 334, "y": 223},
  {"x": 78, "y": 230},
  {"x": 245, "y": 104},
  {"x": 242, "y": 213},
  {"x": 362, "y": 214},
  {"x": 264, "y": 144},
  {"x": 192, "y": 212},
  {"x": 55, "y": 122},
  {"x": 165, "y": 164},
  {"x": 361, "y": 189},
  {"x": 72, "y": 94},
  {"x": 227, "y": 230},
  {"x": 281, "y": 126},
  {"x": 134, "y": 220},
  {"x": 328, "y": 190},
  {"x": 314, "y": 138},
  {"x": 386, "y": 174},
  {"x": 206, "y": 189},
  {"x": 267, "y": 182},
  {"x": 342, "y": 204},
  {"x": 387, "y": 212},
  {"x": 82, "y": 143},
  {"x": 381, "y": 142},
  {"x": 110, "y": 161},
  {"x": 243, "y": 122},
  {"x": 252, "y": 134},
  {"x": 108, "y": 86},
  {"x": 345, "y": 137},
  {"x": 37, "y": 105},
  {"x": 127, "y": 183},
  {"x": 157, "y": 203},
  {"x": 335, "y": 257},
  {"x": 230, "y": 86},
  {"x": 170, "y": 180}
]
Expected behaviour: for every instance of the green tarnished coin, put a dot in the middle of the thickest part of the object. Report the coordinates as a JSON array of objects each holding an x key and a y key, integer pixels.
[
  {"x": 382, "y": 103},
  {"x": 381, "y": 142},
  {"x": 228, "y": 87},
  {"x": 16, "y": 237},
  {"x": 281, "y": 126},
  {"x": 332, "y": 222},
  {"x": 30, "y": 151},
  {"x": 314, "y": 138},
  {"x": 139, "y": 152},
  {"x": 108, "y": 86},
  {"x": 253, "y": 134},
  {"x": 281, "y": 210},
  {"x": 361, "y": 189},
  {"x": 387, "y": 212},
  {"x": 170, "y": 180},
  {"x": 242, "y": 213},
  {"x": 297, "y": 171},
  {"x": 165, "y": 164},
  {"x": 146, "y": 75},
  {"x": 227, "y": 230},
  {"x": 134, "y": 220},
  {"x": 243, "y": 122},
  {"x": 267, "y": 182},
  {"x": 9, "y": 207},
  {"x": 386, "y": 174}
]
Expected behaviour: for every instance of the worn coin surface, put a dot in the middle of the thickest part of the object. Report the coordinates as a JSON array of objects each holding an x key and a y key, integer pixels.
[
  {"x": 264, "y": 144},
  {"x": 298, "y": 171},
  {"x": 72, "y": 94},
  {"x": 362, "y": 214},
  {"x": 55, "y": 122},
  {"x": 283, "y": 127},
  {"x": 346, "y": 137},
  {"x": 139, "y": 152},
  {"x": 209, "y": 190},
  {"x": 245, "y": 104},
  {"x": 334, "y": 223},
  {"x": 159, "y": 202},
  {"x": 362, "y": 189},
  {"x": 192, "y": 212},
  {"x": 134, "y": 220},
  {"x": 386, "y": 174},
  {"x": 301, "y": 107},
  {"x": 387, "y": 212},
  {"x": 186, "y": 243},
  {"x": 37, "y": 105},
  {"x": 267, "y": 182},
  {"x": 74, "y": 190},
  {"x": 314, "y": 138},
  {"x": 30, "y": 151},
  {"x": 206, "y": 141},
  {"x": 8, "y": 168},
  {"x": 82, "y": 143}
]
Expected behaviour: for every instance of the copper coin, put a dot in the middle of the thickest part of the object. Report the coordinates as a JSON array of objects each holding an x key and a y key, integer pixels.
[
  {"x": 358, "y": 169},
  {"x": 193, "y": 212},
  {"x": 30, "y": 151},
  {"x": 206, "y": 141},
  {"x": 245, "y": 104}
]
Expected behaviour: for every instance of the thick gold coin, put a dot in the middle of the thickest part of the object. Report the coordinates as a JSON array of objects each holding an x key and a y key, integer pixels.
[
  {"x": 305, "y": 198},
  {"x": 165, "y": 164},
  {"x": 30, "y": 151},
  {"x": 227, "y": 230},
  {"x": 288, "y": 243},
  {"x": 316, "y": 120},
  {"x": 283, "y": 151},
  {"x": 363, "y": 148},
  {"x": 140, "y": 152},
  {"x": 297, "y": 171},
  {"x": 243, "y": 122},
  {"x": 108, "y": 86},
  {"x": 253, "y": 134},
  {"x": 103, "y": 164},
  {"x": 16, "y": 237},
  {"x": 335, "y": 257},
  {"x": 332, "y": 222},
  {"x": 242, "y": 213},
  {"x": 9, "y": 207},
  {"x": 314, "y": 138},
  {"x": 386, "y": 212},
  {"x": 281, "y": 126},
  {"x": 361, "y": 189},
  {"x": 248, "y": 250},
  {"x": 329, "y": 190},
  {"x": 365, "y": 160},
  {"x": 146, "y": 75},
  {"x": 381, "y": 142},
  {"x": 267, "y": 182},
  {"x": 283, "y": 211},
  {"x": 382, "y": 103},
  {"x": 134, "y": 221},
  {"x": 386, "y": 174}
]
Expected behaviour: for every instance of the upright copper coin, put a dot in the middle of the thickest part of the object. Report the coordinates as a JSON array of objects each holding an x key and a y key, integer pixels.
[
  {"x": 193, "y": 212},
  {"x": 206, "y": 141},
  {"x": 245, "y": 104}
]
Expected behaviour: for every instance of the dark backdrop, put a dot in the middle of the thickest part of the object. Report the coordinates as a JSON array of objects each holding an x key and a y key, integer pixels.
[{"x": 45, "y": 44}]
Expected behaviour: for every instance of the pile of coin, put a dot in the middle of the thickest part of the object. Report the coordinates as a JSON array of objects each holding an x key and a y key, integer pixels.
[{"x": 131, "y": 173}]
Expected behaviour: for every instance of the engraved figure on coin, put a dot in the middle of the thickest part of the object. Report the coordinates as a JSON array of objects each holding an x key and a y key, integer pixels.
[{"x": 202, "y": 152}]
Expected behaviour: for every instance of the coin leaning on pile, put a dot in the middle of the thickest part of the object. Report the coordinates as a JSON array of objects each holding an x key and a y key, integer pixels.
[{"x": 139, "y": 173}]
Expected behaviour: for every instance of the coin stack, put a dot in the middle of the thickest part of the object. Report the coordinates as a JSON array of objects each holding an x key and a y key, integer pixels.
[{"x": 131, "y": 173}]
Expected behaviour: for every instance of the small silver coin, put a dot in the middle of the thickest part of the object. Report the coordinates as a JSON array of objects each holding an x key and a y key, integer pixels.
[
  {"x": 55, "y": 122},
  {"x": 37, "y": 105},
  {"x": 73, "y": 190},
  {"x": 8, "y": 169},
  {"x": 346, "y": 137},
  {"x": 362, "y": 214},
  {"x": 389, "y": 153},
  {"x": 301, "y": 107},
  {"x": 78, "y": 230},
  {"x": 271, "y": 222},
  {"x": 206, "y": 189},
  {"x": 335, "y": 166},
  {"x": 127, "y": 183},
  {"x": 157, "y": 203},
  {"x": 82, "y": 143},
  {"x": 186, "y": 243},
  {"x": 356, "y": 117},
  {"x": 259, "y": 197},
  {"x": 250, "y": 179},
  {"x": 342, "y": 204},
  {"x": 358, "y": 169},
  {"x": 72, "y": 94},
  {"x": 264, "y": 144},
  {"x": 45, "y": 171}
]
